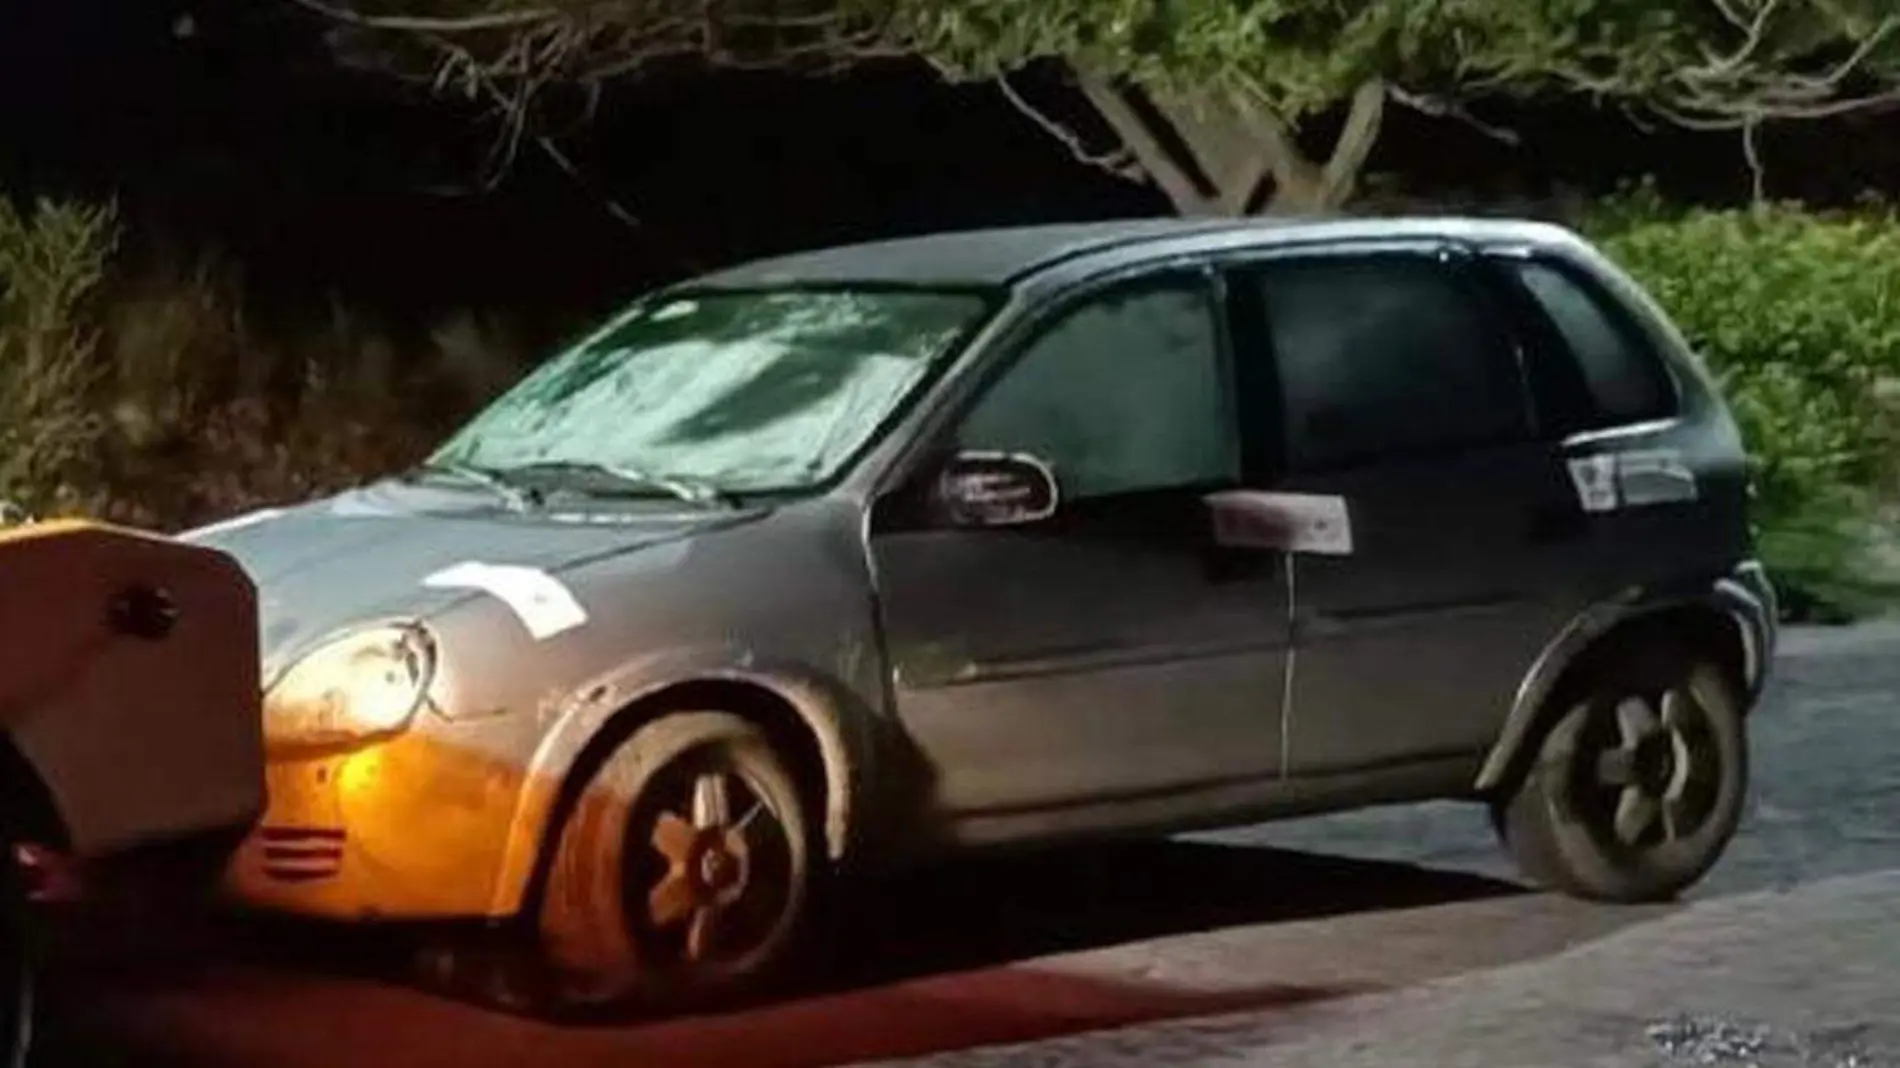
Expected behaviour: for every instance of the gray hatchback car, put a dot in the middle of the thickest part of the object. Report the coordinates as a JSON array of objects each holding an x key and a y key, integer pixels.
[{"x": 863, "y": 556}]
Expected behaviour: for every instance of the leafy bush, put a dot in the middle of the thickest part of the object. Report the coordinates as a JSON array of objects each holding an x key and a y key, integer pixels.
[
  {"x": 1798, "y": 315},
  {"x": 151, "y": 399},
  {"x": 52, "y": 261}
]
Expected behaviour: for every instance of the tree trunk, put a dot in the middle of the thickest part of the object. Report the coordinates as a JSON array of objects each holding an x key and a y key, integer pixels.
[{"x": 1241, "y": 158}]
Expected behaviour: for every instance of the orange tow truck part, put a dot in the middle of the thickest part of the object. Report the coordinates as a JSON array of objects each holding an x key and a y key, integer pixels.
[{"x": 129, "y": 698}]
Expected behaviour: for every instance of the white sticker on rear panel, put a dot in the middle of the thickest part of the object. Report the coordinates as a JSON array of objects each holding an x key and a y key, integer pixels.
[
  {"x": 544, "y": 606},
  {"x": 1291, "y": 522},
  {"x": 1595, "y": 480},
  {"x": 1655, "y": 476}
]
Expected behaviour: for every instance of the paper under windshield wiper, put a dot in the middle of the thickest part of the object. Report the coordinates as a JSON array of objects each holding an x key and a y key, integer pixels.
[
  {"x": 517, "y": 498},
  {"x": 693, "y": 491}
]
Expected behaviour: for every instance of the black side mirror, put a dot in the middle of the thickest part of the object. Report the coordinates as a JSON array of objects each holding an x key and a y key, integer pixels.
[{"x": 996, "y": 489}]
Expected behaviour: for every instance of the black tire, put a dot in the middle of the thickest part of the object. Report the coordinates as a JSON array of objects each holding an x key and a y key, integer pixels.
[
  {"x": 1638, "y": 786},
  {"x": 649, "y": 908},
  {"x": 17, "y": 961}
]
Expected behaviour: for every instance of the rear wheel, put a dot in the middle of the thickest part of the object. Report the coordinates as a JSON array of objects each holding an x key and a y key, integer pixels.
[
  {"x": 681, "y": 878},
  {"x": 1638, "y": 786}
]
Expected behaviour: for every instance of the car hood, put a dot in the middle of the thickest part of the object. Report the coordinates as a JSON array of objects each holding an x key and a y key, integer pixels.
[{"x": 364, "y": 555}]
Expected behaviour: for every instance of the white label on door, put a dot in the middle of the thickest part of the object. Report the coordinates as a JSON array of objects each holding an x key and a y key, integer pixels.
[
  {"x": 1595, "y": 480},
  {"x": 1655, "y": 476},
  {"x": 1291, "y": 522},
  {"x": 544, "y": 606}
]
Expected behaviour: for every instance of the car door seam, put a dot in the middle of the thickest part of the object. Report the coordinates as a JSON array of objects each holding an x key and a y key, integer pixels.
[{"x": 1290, "y": 568}]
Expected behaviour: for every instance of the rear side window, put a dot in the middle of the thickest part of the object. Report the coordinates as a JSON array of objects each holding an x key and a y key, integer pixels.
[
  {"x": 1386, "y": 356},
  {"x": 1623, "y": 380}
]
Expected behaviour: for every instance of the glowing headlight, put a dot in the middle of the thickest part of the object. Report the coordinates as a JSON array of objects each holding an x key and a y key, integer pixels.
[{"x": 356, "y": 687}]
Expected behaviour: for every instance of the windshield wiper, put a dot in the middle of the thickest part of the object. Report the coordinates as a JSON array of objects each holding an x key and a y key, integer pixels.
[
  {"x": 518, "y": 499},
  {"x": 690, "y": 490}
]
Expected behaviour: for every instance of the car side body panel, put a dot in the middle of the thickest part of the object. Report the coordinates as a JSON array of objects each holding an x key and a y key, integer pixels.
[
  {"x": 1642, "y": 560},
  {"x": 1668, "y": 533},
  {"x": 488, "y": 759},
  {"x": 1103, "y": 654},
  {"x": 795, "y": 603}
]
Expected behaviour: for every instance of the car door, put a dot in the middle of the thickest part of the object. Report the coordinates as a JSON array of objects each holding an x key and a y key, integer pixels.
[
  {"x": 1402, "y": 402},
  {"x": 1111, "y": 649},
  {"x": 1663, "y": 507}
]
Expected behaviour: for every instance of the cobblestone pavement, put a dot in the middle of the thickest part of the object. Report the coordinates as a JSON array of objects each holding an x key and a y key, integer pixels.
[
  {"x": 1285, "y": 925},
  {"x": 1777, "y": 978},
  {"x": 1808, "y": 978}
]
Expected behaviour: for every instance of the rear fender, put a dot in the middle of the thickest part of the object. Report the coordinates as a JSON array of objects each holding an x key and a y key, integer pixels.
[{"x": 1744, "y": 597}]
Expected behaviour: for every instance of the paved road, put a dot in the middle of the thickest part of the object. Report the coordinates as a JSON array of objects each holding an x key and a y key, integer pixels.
[
  {"x": 1016, "y": 950},
  {"x": 1801, "y": 978},
  {"x": 1826, "y": 798}
]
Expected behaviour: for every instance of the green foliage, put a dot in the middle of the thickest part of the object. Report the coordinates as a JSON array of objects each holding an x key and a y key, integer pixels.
[
  {"x": 1728, "y": 59},
  {"x": 52, "y": 261},
  {"x": 1693, "y": 57},
  {"x": 1798, "y": 315},
  {"x": 148, "y": 398}
]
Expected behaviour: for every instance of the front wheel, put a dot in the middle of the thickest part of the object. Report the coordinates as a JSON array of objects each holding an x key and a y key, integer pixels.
[
  {"x": 681, "y": 878},
  {"x": 16, "y": 961},
  {"x": 1637, "y": 788}
]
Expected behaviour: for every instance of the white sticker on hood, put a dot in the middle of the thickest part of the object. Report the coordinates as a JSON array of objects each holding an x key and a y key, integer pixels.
[
  {"x": 223, "y": 526},
  {"x": 544, "y": 606}
]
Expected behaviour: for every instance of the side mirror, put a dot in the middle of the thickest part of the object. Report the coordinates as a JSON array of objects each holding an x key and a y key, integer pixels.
[{"x": 996, "y": 489}]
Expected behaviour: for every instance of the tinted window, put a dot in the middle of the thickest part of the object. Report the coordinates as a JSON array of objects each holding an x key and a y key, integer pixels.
[
  {"x": 1386, "y": 356},
  {"x": 1624, "y": 381},
  {"x": 1123, "y": 393}
]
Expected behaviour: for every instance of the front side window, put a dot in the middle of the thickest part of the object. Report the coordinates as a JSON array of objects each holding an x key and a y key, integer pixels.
[
  {"x": 1125, "y": 393},
  {"x": 746, "y": 391},
  {"x": 1386, "y": 356},
  {"x": 1623, "y": 380}
]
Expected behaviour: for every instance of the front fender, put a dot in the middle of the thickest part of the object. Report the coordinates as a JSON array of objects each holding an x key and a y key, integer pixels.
[
  {"x": 1745, "y": 596},
  {"x": 843, "y": 726}
]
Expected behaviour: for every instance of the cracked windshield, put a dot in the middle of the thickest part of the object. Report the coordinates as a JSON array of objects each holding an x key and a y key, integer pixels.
[
  {"x": 743, "y": 391},
  {"x": 949, "y": 533}
]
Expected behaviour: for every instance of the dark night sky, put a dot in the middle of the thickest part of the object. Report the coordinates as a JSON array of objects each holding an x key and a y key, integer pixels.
[{"x": 242, "y": 136}]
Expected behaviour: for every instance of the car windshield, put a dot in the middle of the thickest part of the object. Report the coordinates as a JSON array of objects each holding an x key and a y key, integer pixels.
[{"x": 740, "y": 391}]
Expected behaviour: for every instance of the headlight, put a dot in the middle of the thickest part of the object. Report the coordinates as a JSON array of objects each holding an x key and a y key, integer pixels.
[{"x": 356, "y": 687}]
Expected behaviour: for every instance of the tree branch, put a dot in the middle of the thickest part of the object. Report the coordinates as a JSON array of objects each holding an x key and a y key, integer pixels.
[
  {"x": 1758, "y": 173},
  {"x": 1119, "y": 162},
  {"x": 501, "y": 20},
  {"x": 1297, "y": 181},
  {"x": 1153, "y": 156},
  {"x": 1224, "y": 146},
  {"x": 1340, "y": 177},
  {"x": 1438, "y": 107}
]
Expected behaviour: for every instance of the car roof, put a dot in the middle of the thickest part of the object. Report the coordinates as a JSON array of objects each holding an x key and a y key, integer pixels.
[{"x": 1002, "y": 256}]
